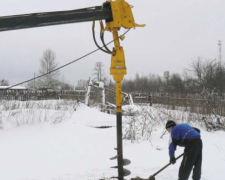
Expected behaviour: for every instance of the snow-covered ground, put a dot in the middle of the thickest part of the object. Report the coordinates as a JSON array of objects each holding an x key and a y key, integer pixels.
[{"x": 72, "y": 149}]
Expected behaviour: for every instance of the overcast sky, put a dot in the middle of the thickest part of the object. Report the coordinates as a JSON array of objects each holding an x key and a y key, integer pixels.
[{"x": 176, "y": 33}]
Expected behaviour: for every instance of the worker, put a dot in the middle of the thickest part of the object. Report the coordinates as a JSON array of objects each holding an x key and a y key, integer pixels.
[{"x": 186, "y": 136}]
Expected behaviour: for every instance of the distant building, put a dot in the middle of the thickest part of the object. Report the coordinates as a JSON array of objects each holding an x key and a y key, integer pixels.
[{"x": 13, "y": 88}]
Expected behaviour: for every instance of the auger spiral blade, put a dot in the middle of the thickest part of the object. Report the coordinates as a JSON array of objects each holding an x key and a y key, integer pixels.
[
  {"x": 125, "y": 163},
  {"x": 125, "y": 173}
]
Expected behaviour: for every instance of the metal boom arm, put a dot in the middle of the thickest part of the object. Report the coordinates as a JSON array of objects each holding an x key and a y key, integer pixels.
[{"x": 55, "y": 18}]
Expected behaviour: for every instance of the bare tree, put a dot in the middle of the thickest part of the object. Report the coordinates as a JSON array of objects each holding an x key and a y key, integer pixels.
[
  {"x": 99, "y": 74},
  {"x": 48, "y": 64},
  {"x": 4, "y": 82},
  {"x": 63, "y": 84},
  {"x": 205, "y": 75},
  {"x": 176, "y": 82},
  {"x": 144, "y": 83},
  {"x": 81, "y": 85}
]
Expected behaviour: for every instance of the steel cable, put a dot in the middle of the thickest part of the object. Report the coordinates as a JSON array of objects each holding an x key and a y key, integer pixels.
[{"x": 65, "y": 64}]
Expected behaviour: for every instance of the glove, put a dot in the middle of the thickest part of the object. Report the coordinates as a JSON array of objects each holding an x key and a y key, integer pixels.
[
  {"x": 151, "y": 178},
  {"x": 172, "y": 160}
]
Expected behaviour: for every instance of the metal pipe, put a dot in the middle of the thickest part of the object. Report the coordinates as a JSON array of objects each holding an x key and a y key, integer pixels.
[{"x": 119, "y": 145}]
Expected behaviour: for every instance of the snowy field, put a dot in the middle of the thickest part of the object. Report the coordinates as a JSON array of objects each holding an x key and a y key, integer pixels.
[{"x": 62, "y": 144}]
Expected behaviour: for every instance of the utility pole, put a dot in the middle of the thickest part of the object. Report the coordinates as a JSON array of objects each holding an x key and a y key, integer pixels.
[
  {"x": 220, "y": 52},
  {"x": 220, "y": 66}
]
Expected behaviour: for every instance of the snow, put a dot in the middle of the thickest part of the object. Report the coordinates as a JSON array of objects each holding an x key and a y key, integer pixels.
[
  {"x": 73, "y": 149},
  {"x": 16, "y": 87}
]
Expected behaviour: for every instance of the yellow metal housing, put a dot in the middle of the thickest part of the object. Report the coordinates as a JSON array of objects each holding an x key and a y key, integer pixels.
[{"x": 122, "y": 16}]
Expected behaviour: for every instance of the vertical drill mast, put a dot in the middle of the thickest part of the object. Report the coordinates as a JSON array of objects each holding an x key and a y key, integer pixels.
[{"x": 122, "y": 17}]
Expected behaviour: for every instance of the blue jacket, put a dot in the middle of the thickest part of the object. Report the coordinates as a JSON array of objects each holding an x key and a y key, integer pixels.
[{"x": 181, "y": 135}]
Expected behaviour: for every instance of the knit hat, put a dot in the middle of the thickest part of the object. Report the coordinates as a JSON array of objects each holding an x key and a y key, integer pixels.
[{"x": 170, "y": 123}]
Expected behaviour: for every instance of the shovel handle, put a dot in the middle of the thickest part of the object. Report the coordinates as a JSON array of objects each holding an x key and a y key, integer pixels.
[{"x": 166, "y": 166}]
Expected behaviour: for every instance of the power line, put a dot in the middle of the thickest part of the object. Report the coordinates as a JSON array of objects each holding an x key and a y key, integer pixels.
[{"x": 65, "y": 64}]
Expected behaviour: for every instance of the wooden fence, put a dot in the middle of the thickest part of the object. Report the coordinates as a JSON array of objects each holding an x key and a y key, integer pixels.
[{"x": 195, "y": 103}]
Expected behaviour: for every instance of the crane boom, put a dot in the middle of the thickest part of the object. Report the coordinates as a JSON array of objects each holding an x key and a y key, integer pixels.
[{"x": 24, "y": 21}]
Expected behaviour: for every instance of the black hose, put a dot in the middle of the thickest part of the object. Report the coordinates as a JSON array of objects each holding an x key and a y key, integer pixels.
[
  {"x": 103, "y": 42},
  {"x": 93, "y": 32}
]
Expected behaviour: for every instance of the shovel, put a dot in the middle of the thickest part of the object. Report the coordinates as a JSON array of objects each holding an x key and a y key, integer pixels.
[{"x": 152, "y": 177}]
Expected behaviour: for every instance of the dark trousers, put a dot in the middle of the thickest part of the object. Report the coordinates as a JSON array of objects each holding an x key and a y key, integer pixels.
[{"x": 192, "y": 158}]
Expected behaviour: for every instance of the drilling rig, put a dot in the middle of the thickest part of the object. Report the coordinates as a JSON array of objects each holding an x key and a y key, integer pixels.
[{"x": 116, "y": 14}]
